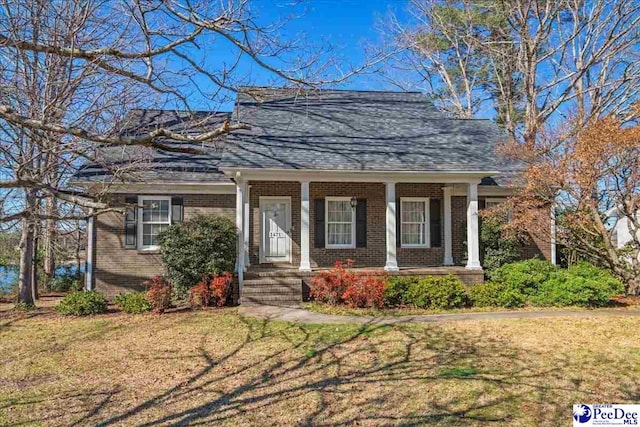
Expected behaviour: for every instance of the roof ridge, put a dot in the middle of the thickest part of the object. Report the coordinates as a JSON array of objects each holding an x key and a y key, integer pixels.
[{"x": 240, "y": 88}]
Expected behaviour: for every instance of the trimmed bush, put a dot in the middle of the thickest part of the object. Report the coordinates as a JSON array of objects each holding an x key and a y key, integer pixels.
[
  {"x": 494, "y": 294},
  {"x": 133, "y": 302},
  {"x": 211, "y": 291},
  {"x": 395, "y": 293},
  {"x": 199, "y": 247},
  {"x": 524, "y": 276},
  {"x": 81, "y": 303},
  {"x": 437, "y": 293},
  {"x": 329, "y": 286},
  {"x": 365, "y": 292},
  {"x": 581, "y": 284},
  {"x": 158, "y": 294}
]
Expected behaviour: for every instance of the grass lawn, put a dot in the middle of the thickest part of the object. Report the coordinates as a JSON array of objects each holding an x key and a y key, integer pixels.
[
  {"x": 215, "y": 367},
  {"x": 630, "y": 303}
]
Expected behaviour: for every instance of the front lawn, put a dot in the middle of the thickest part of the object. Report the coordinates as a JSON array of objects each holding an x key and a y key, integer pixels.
[{"x": 215, "y": 367}]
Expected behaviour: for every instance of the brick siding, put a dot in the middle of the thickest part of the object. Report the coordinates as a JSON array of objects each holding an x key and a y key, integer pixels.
[{"x": 118, "y": 269}]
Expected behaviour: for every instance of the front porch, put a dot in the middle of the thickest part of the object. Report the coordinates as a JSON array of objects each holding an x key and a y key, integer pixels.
[{"x": 419, "y": 224}]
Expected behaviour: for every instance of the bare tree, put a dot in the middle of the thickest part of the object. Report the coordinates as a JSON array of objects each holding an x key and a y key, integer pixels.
[
  {"x": 533, "y": 62},
  {"x": 71, "y": 69}
]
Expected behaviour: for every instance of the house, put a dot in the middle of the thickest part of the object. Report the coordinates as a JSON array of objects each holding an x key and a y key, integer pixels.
[
  {"x": 382, "y": 178},
  {"x": 622, "y": 228}
]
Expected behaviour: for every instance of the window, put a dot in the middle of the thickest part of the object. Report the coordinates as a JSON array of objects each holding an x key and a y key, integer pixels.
[
  {"x": 493, "y": 202},
  {"x": 414, "y": 223},
  {"x": 341, "y": 219},
  {"x": 155, "y": 218}
]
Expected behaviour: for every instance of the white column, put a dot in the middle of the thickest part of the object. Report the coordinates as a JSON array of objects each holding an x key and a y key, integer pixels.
[
  {"x": 247, "y": 224},
  {"x": 392, "y": 263},
  {"x": 240, "y": 230},
  {"x": 88, "y": 267},
  {"x": 448, "y": 255},
  {"x": 473, "y": 239},
  {"x": 305, "y": 264}
]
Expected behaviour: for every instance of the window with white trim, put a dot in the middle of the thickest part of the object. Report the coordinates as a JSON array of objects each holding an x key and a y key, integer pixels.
[
  {"x": 155, "y": 218},
  {"x": 341, "y": 223},
  {"x": 414, "y": 222}
]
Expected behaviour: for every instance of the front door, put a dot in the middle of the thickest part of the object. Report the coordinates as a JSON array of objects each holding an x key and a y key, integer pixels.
[{"x": 275, "y": 218}]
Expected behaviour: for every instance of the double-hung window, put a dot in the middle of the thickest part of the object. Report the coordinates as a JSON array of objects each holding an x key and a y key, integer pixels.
[
  {"x": 414, "y": 222},
  {"x": 155, "y": 218},
  {"x": 341, "y": 218}
]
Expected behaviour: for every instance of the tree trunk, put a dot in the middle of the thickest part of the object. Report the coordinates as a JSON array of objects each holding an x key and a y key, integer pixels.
[
  {"x": 49, "y": 240},
  {"x": 34, "y": 266},
  {"x": 25, "y": 294}
]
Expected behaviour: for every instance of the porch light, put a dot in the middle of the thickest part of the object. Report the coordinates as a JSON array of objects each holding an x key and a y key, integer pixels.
[{"x": 354, "y": 202}]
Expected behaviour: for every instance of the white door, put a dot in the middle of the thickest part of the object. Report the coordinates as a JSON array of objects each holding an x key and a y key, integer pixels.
[{"x": 275, "y": 215}]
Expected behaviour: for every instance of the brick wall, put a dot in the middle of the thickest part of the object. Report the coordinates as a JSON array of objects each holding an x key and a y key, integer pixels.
[{"x": 117, "y": 269}]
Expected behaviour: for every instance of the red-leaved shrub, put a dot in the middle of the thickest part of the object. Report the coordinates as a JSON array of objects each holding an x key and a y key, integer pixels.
[
  {"x": 367, "y": 291},
  {"x": 158, "y": 294},
  {"x": 329, "y": 286},
  {"x": 212, "y": 290}
]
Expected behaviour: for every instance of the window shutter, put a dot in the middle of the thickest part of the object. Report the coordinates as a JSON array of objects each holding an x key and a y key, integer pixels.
[
  {"x": 398, "y": 223},
  {"x": 177, "y": 210},
  {"x": 131, "y": 223},
  {"x": 361, "y": 223},
  {"x": 319, "y": 223},
  {"x": 435, "y": 223}
]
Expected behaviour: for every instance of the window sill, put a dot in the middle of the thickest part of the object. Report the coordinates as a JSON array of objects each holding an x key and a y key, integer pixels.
[
  {"x": 415, "y": 247},
  {"x": 148, "y": 251},
  {"x": 339, "y": 247}
]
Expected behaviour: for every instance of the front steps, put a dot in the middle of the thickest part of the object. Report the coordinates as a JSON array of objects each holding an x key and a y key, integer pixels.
[{"x": 261, "y": 289}]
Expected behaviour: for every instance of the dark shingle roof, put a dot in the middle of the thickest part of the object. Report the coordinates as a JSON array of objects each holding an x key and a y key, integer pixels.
[
  {"x": 317, "y": 130},
  {"x": 353, "y": 130},
  {"x": 140, "y": 164}
]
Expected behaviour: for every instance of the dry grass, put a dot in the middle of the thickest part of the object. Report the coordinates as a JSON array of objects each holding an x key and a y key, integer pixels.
[
  {"x": 214, "y": 367},
  {"x": 343, "y": 310}
]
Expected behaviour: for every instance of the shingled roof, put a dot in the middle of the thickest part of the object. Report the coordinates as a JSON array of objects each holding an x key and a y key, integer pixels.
[
  {"x": 317, "y": 130},
  {"x": 140, "y": 164},
  {"x": 356, "y": 130}
]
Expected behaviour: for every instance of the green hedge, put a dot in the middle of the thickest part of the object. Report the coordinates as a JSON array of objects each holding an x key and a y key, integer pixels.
[
  {"x": 437, "y": 293},
  {"x": 82, "y": 303},
  {"x": 133, "y": 302},
  {"x": 524, "y": 277},
  {"x": 494, "y": 294},
  {"x": 201, "y": 246}
]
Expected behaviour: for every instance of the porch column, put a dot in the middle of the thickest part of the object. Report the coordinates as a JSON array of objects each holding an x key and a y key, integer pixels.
[
  {"x": 245, "y": 194},
  {"x": 448, "y": 255},
  {"x": 305, "y": 264},
  {"x": 473, "y": 240},
  {"x": 240, "y": 230},
  {"x": 88, "y": 267},
  {"x": 392, "y": 263}
]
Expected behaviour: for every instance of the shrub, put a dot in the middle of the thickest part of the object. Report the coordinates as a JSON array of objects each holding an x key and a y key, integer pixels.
[
  {"x": 211, "y": 291},
  {"x": 499, "y": 249},
  {"x": 524, "y": 276},
  {"x": 494, "y": 294},
  {"x": 199, "y": 247},
  {"x": 65, "y": 283},
  {"x": 158, "y": 294},
  {"x": 581, "y": 284},
  {"x": 133, "y": 302},
  {"x": 329, "y": 286},
  {"x": 395, "y": 293},
  {"x": 437, "y": 292},
  {"x": 81, "y": 303},
  {"x": 365, "y": 292}
]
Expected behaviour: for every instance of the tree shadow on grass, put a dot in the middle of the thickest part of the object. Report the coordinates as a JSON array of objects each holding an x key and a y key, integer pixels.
[{"x": 370, "y": 374}]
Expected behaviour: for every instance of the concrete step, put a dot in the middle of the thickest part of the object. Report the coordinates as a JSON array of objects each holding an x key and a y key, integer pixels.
[
  {"x": 257, "y": 273},
  {"x": 273, "y": 289},
  {"x": 277, "y": 300},
  {"x": 267, "y": 281}
]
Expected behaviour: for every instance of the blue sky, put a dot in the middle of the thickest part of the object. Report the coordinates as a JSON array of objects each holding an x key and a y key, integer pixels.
[{"x": 345, "y": 25}]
